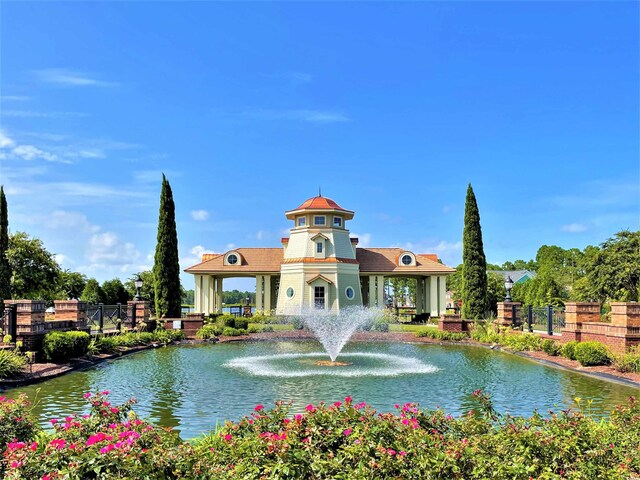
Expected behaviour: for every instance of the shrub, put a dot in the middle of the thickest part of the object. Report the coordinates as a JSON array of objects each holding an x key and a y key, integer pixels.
[
  {"x": 233, "y": 332},
  {"x": 522, "y": 342},
  {"x": 592, "y": 354},
  {"x": 11, "y": 363},
  {"x": 106, "y": 344},
  {"x": 61, "y": 346},
  {"x": 241, "y": 323},
  {"x": 569, "y": 349},
  {"x": 227, "y": 320},
  {"x": 208, "y": 331},
  {"x": 629, "y": 362},
  {"x": 380, "y": 327},
  {"x": 164, "y": 336},
  {"x": 6, "y": 339},
  {"x": 440, "y": 335},
  {"x": 550, "y": 347},
  {"x": 16, "y": 421},
  {"x": 297, "y": 323}
]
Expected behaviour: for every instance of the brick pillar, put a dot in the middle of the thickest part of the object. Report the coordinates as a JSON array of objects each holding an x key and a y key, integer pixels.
[
  {"x": 138, "y": 309},
  {"x": 506, "y": 313},
  {"x": 452, "y": 323},
  {"x": 577, "y": 313},
  {"x": 30, "y": 329},
  {"x": 74, "y": 311},
  {"x": 625, "y": 324}
]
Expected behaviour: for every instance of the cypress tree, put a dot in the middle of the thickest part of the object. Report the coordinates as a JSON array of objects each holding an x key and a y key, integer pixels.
[
  {"x": 166, "y": 269},
  {"x": 474, "y": 270},
  {"x": 5, "y": 268}
]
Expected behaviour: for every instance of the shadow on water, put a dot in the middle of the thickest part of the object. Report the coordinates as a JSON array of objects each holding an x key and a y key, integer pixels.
[{"x": 191, "y": 388}]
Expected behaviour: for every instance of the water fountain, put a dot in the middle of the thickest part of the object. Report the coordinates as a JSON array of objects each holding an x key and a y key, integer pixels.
[{"x": 333, "y": 331}]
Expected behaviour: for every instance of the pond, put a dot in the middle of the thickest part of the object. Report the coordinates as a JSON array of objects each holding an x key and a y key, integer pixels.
[{"x": 194, "y": 387}]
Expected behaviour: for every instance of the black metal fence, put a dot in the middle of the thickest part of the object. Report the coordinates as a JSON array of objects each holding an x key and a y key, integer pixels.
[
  {"x": 108, "y": 318},
  {"x": 9, "y": 321},
  {"x": 548, "y": 319}
]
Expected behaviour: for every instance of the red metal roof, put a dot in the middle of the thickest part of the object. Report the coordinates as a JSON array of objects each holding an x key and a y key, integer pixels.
[{"x": 320, "y": 203}]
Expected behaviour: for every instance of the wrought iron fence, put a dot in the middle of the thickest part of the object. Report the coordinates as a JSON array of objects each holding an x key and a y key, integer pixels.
[
  {"x": 547, "y": 319},
  {"x": 8, "y": 321},
  {"x": 104, "y": 318}
]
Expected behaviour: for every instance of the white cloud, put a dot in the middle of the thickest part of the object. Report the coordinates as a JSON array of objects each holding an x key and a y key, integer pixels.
[
  {"x": 200, "y": 215},
  {"x": 5, "y": 141},
  {"x": 310, "y": 116},
  {"x": 29, "y": 152},
  {"x": 70, "y": 220},
  {"x": 14, "y": 98},
  {"x": 71, "y": 78},
  {"x": 574, "y": 228},
  {"x": 231, "y": 246},
  {"x": 194, "y": 257},
  {"x": 32, "y": 114},
  {"x": 107, "y": 249},
  {"x": 364, "y": 240}
]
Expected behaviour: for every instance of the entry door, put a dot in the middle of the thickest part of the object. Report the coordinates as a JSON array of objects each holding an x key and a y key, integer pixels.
[{"x": 318, "y": 297}]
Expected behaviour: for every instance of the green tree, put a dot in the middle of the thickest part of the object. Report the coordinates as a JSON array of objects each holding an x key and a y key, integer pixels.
[
  {"x": 92, "y": 292},
  {"x": 114, "y": 292},
  {"x": 188, "y": 297},
  {"x": 474, "y": 273},
  {"x": 496, "y": 291},
  {"x": 5, "y": 267},
  {"x": 404, "y": 290},
  {"x": 614, "y": 270},
  {"x": 454, "y": 284},
  {"x": 35, "y": 271},
  {"x": 166, "y": 268},
  {"x": 71, "y": 284}
]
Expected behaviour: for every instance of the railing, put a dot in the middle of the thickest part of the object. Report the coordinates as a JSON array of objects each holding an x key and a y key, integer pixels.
[
  {"x": 8, "y": 321},
  {"x": 101, "y": 318},
  {"x": 547, "y": 319}
]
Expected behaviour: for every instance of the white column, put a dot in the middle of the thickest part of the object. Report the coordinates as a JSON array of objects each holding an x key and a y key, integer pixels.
[
  {"x": 259, "y": 292},
  {"x": 419, "y": 295},
  {"x": 372, "y": 290},
  {"x": 442, "y": 297},
  {"x": 426, "y": 292},
  {"x": 196, "y": 295},
  {"x": 433, "y": 297},
  {"x": 267, "y": 294},
  {"x": 381, "y": 291},
  {"x": 211, "y": 294},
  {"x": 207, "y": 288},
  {"x": 219, "y": 295}
]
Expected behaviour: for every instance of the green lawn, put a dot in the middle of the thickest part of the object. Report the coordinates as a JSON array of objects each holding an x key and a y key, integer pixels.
[
  {"x": 276, "y": 326},
  {"x": 395, "y": 327}
]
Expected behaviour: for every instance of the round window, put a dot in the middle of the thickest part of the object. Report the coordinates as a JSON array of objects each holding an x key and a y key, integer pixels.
[
  {"x": 350, "y": 293},
  {"x": 290, "y": 292},
  {"x": 406, "y": 259},
  {"x": 232, "y": 259}
]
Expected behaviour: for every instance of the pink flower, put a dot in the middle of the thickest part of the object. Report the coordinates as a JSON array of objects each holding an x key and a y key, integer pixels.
[
  {"x": 357, "y": 442},
  {"x": 402, "y": 452},
  {"x": 405, "y": 421},
  {"x": 3, "y": 398},
  {"x": 86, "y": 395},
  {"x": 114, "y": 410},
  {"x": 107, "y": 449},
  {"x": 227, "y": 437},
  {"x": 347, "y": 432},
  {"x": 286, "y": 420},
  {"x": 297, "y": 417},
  {"x": 337, "y": 404},
  {"x": 53, "y": 421},
  {"x": 59, "y": 443},
  {"x": 46, "y": 477},
  {"x": 105, "y": 392},
  {"x": 33, "y": 447},
  {"x": 348, "y": 399},
  {"x": 259, "y": 408},
  {"x": 310, "y": 408},
  {"x": 15, "y": 464},
  {"x": 391, "y": 451},
  {"x": 306, "y": 440}
]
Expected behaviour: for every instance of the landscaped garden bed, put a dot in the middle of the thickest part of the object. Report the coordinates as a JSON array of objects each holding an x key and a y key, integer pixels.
[{"x": 344, "y": 440}]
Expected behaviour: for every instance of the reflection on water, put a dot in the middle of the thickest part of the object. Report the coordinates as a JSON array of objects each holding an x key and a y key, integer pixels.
[{"x": 192, "y": 388}]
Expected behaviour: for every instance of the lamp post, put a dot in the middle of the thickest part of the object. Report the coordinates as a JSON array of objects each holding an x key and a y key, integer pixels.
[
  {"x": 247, "y": 300},
  {"x": 508, "y": 284},
  {"x": 138, "y": 283}
]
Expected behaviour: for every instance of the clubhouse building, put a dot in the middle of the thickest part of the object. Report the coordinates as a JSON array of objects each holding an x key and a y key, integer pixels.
[{"x": 320, "y": 266}]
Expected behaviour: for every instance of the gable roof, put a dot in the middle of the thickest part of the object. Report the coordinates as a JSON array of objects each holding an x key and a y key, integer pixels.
[
  {"x": 385, "y": 260},
  {"x": 518, "y": 276},
  {"x": 259, "y": 260}
]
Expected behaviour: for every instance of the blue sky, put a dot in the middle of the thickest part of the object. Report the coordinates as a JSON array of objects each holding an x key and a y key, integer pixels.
[{"x": 393, "y": 108}]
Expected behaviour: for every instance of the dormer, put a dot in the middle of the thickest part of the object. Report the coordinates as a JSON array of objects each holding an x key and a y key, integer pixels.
[
  {"x": 320, "y": 245},
  {"x": 232, "y": 258},
  {"x": 406, "y": 259}
]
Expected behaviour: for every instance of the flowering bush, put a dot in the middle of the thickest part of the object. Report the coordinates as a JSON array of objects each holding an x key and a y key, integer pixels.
[{"x": 345, "y": 440}]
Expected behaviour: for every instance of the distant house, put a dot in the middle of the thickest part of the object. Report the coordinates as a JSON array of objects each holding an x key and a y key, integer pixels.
[{"x": 518, "y": 276}]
